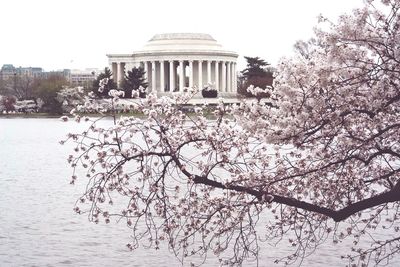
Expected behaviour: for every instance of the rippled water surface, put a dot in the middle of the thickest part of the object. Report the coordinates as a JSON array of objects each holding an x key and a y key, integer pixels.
[{"x": 39, "y": 228}]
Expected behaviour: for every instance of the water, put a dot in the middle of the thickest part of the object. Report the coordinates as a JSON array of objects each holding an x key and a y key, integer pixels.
[
  {"x": 39, "y": 228},
  {"x": 37, "y": 224}
]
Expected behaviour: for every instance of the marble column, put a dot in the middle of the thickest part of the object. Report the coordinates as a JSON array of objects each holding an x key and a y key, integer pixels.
[
  {"x": 223, "y": 76},
  {"x": 229, "y": 79},
  {"x": 114, "y": 69},
  {"x": 200, "y": 74},
  {"x": 208, "y": 71},
  {"x": 171, "y": 76},
  {"x": 216, "y": 75},
  {"x": 146, "y": 70},
  {"x": 191, "y": 73},
  {"x": 234, "y": 89},
  {"x": 162, "y": 80},
  {"x": 119, "y": 74},
  {"x": 181, "y": 76},
  {"x": 153, "y": 77},
  {"x": 184, "y": 74}
]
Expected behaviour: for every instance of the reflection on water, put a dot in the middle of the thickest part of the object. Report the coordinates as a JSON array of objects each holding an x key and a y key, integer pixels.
[{"x": 38, "y": 226}]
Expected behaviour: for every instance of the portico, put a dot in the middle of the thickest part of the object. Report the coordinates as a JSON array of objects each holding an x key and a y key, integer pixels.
[{"x": 175, "y": 61}]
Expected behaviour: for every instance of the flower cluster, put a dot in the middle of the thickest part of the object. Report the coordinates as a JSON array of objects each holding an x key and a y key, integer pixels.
[
  {"x": 259, "y": 91},
  {"x": 209, "y": 87},
  {"x": 102, "y": 84},
  {"x": 140, "y": 91},
  {"x": 71, "y": 97},
  {"x": 116, "y": 93}
]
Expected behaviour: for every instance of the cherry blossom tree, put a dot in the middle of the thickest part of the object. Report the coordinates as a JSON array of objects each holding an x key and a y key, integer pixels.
[
  {"x": 320, "y": 163},
  {"x": 7, "y": 103},
  {"x": 70, "y": 97}
]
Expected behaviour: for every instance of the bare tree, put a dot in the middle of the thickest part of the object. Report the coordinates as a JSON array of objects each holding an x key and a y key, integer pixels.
[
  {"x": 25, "y": 86},
  {"x": 20, "y": 86}
]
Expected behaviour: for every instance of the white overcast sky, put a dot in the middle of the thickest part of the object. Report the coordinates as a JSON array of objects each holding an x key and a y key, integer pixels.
[{"x": 56, "y": 34}]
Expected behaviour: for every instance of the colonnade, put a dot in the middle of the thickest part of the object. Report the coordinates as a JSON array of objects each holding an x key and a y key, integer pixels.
[{"x": 175, "y": 75}]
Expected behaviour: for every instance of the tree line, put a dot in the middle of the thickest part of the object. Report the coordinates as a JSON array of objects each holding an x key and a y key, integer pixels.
[{"x": 24, "y": 87}]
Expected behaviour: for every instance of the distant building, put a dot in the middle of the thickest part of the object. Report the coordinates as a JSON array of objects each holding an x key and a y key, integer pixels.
[
  {"x": 84, "y": 77},
  {"x": 30, "y": 72},
  {"x": 60, "y": 73},
  {"x": 74, "y": 77},
  {"x": 8, "y": 71}
]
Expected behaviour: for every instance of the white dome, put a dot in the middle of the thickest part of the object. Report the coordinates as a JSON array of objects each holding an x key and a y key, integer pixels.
[{"x": 182, "y": 42}]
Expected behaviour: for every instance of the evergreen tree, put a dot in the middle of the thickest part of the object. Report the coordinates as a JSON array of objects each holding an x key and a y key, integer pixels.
[
  {"x": 110, "y": 85},
  {"x": 256, "y": 74},
  {"x": 134, "y": 79},
  {"x": 255, "y": 67}
]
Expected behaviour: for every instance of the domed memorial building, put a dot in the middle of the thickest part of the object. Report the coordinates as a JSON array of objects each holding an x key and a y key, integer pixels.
[{"x": 177, "y": 60}]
